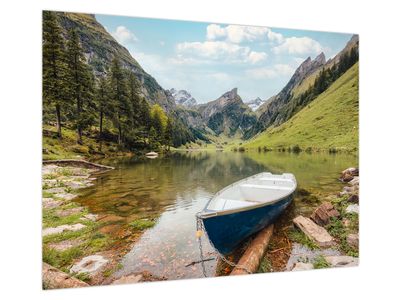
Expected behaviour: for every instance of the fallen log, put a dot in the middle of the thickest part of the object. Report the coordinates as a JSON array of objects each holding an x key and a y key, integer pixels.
[
  {"x": 56, "y": 279},
  {"x": 76, "y": 163},
  {"x": 251, "y": 258}
]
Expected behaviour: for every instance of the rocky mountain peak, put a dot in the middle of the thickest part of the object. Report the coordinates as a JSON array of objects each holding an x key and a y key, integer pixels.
[
  {"x": 255, "y": 103},
  {"x": 320, "y": 59},
  {"x": 183, "y": 97}
]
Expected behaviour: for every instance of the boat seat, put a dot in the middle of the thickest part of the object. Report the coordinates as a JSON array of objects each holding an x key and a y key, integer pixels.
[{"x": 268, "y": 187}]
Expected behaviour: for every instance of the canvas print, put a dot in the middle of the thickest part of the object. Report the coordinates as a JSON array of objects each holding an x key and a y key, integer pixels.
[{"x": 176, "y": 150}]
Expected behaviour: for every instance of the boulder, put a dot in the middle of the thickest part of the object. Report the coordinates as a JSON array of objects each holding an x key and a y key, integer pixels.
[
  {"x": 300, "y": 266},
  {"x": 323, "y": 213},
  {"x": 90, "y": 264},
  {"x": 348, "y": 174},
  {"x": 342, "y": 261},
  {"x": 352, "y": 240},
  {"x": 56, "y": 279},
  {"x": 355, "y": 181},
  {"x": 315, "y": 232},
  {"x": 353, "y": 208},
  {"x": 133, "y": 278}
]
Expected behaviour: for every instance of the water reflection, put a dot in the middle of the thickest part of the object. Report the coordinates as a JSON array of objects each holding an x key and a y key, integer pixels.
[{"x": 175, "y": 187}]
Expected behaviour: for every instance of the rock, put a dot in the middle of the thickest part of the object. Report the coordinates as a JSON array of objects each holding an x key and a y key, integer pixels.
[
  {"x": 317, "y": 233},
  {"x": 350, "y": 189},
  {"x": 323, "y": 213},
  {"x": 355, "y": 181},
  {"x": 56, "y": 279},
  {"x": 89, "y": 217},
  {"x": 353, "y": 198},
  {"x": 75, "y": 184},
  {"x": 66, "y": 196},
  {"x": 110, "y": 229},
  {"x": 111, "y": 218},
  {"x": 352, "y": 240},
  {"x": 62, "y": 228},
  {"x": 346, "y": 222},
  {"x": 90, "y": 264},
  {"x": 353, "y": 208},
  {"x": 342, "y": 261},
  {"x": 68, "y": 212},
  {"x": 56, "y": 190},
  {"x": 302, "y": 266},
  {"x": 348, "y": 174},
  {"x": 133, "y": 278},
  {"x": 64, "y": 245},
  {"x": 51, "y": 203}
]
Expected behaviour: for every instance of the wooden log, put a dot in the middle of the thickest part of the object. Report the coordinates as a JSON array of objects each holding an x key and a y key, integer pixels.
[
  {"x": 56, "y": 279},
  {"x": 76, "y": 163},
  {"x": 252, "y": 256}
]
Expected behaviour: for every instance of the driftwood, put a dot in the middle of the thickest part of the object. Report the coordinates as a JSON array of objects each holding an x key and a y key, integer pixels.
[
  {"x": 56, "y": 279},
  {"x": 76, "y": 163},
  {"x": 251, "y": 258}
]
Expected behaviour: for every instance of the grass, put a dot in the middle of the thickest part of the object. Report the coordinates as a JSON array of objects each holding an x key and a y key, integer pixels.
[
  {"x": 329, "y": 122},
  {"x": 299, "y": 237},
  {"x": 142, "y": 224},
  {"x": 320, "y": 262},
  {"x": 340, "y": 232},
  {"x": 265, "y": 265}
]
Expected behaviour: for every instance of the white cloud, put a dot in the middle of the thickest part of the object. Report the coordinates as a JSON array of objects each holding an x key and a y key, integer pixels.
[
  {"x": 270, "y": 72},
  {"x": 298, "y": 45},
  {"x": 124, "y": 35},
  {"x": 238, "y": 34},
  {"x": 220, "y": 51}
]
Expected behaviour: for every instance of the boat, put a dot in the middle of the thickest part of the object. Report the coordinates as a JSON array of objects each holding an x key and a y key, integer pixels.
[
  {"x": 151, "y": 154},
  {"x": 245, "y": 207}
]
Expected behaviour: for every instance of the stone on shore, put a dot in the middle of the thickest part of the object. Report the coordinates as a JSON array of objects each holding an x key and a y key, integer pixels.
[
  {"x": 62, "y": 228},
  {"x": 69, "y": 211},
  {"x": 342, "y": 261},
  {"x": 51, "y": 203},
  {"x": 353, "y": 208},
  {"x": 89, "y": 217},
  {"x": 56, "y": 279},
  {"x": 348, "y": 174},
  {"x": 315, "y": 232},
  {"x": 353, "y": 198},
  {"x": 90, "y": 264},
  {"x": 133, "y": 278},
  {"x": 352, "y": 240},
  {"x": 300, "y": 266},
  {"x": 66, "y": 196},
  {"x": 56, "y": 190},
  {"x": 323, "y": 213},
  {"x": 64, "y": 245},
  {"x": 355, "y": 180}
]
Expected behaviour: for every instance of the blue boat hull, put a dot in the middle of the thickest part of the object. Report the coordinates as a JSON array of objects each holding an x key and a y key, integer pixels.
[{"x": 227, "y": 231}]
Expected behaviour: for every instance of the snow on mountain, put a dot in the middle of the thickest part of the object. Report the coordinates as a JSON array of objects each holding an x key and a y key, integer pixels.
[
  {"x": 183, "y": 98},
  {"x": 255, "y": 103}
]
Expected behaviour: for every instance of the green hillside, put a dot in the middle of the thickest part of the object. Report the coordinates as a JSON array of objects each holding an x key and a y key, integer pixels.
[{"x": 329, "y": 122}]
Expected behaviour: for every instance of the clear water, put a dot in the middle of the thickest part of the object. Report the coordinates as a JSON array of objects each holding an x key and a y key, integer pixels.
[{"x": 173, "y": 189}]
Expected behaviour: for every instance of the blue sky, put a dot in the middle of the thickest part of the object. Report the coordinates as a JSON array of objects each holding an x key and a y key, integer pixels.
[{"x": 208, "y": 59}]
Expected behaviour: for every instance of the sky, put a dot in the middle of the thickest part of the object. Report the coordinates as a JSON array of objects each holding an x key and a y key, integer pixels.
[{"x": 208, "y": 59}]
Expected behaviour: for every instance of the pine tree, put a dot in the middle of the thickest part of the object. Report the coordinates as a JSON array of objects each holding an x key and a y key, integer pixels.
[
  {"x": 119, "y": 97},
  {"x": 54, "y": 66},
  {"x": 134, "y": 98},
  {"x": 80, "y": 83},
  {"x": 102, "y": 103}
]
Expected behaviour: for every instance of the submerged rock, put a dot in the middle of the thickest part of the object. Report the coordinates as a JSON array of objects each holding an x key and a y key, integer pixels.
[
  {"x": 133, "y": 278},
  {"x": 323, "y": 213},
  {"x": 90, "y": 264},
  {"x": 342, "y": 261},
  {"x": 315, "y": 232}
]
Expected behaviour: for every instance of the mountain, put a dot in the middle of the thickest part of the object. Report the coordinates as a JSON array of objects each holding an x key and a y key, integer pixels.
[
  {"x": 293, "y": 96},
  {"x": 100, "y": 48},
  {"x": 227, "y": 115},
  {"x": 255, "y": 103},
  {"x": 328, "y": 122},
  {"x": 183, "y": 98}
]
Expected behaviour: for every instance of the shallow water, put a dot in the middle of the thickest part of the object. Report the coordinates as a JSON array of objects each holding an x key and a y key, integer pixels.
[{"x": 172, "y": 189}]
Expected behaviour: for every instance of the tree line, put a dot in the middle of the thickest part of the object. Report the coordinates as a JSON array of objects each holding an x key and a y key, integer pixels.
[{"x": 76, "y": 97}]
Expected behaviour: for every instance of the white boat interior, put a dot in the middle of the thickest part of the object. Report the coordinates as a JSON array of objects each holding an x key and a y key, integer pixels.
[{"x": 261, "y": 188}]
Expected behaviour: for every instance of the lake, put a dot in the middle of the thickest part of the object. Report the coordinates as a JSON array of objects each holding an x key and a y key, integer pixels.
[{"x": 172, "y": 189}]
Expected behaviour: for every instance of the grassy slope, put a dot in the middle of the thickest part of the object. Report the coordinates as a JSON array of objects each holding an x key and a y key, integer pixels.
[{"x": 330, "y": 121}]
